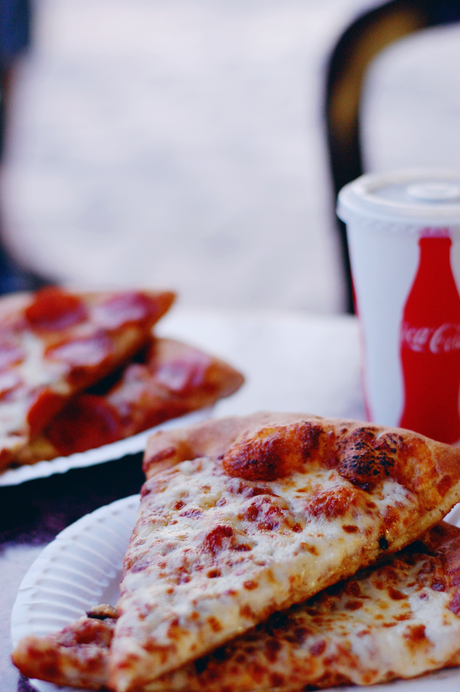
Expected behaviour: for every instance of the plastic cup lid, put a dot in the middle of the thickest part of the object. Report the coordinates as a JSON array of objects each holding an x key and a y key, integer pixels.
[{"x": 429, "y": 197}]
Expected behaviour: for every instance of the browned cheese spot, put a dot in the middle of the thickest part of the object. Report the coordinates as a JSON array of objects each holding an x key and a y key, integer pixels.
[
  {"x": 182, "y": 576},
  {"x": 246, "y": 612},
  {"x": 395, "y": 594},
  {"x": 163, "y": 652},
  {"x": 352, "y": 588},
  {"x": 350, "y": 528},
  {"x": 366, "y": 458},
  {"x": 154, "y": 486},
  {"x": 217, "y": 539},
  {"x": 237, "y": 486},
  {"x": 270, "y": 512},
  {"x": 137, "y": 564},
  {"x": 193, "y": 513},
  {"x": 214, "y": 573},
  {"x": 214, "y": 624},
  {"x": 333, "y": 503},
  {"x": 415, "y": 635},
  {"x": 318, "y": 648},
  {"x": 391, "y": 518},
  {"x": 309, "y": 548},
  {"x": 300, "y": 634},
  {"x": 353, "y": 605},
  {"x": 175, "y": 631},
  {"x": 241, "y": 547}
]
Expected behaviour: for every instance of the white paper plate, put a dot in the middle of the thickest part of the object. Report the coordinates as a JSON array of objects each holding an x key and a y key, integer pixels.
[
  {"x": 115, "y": 450},
  {"x": 82, "y": 567}
]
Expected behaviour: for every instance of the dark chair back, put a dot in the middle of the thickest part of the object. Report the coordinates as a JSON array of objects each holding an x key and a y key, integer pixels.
[
  {"x": 370, "y": 33},
  {"x": 15, "y": 24}
]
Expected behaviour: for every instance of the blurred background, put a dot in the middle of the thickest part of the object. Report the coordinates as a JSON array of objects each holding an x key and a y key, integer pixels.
[{"x": 181, "y": 143}]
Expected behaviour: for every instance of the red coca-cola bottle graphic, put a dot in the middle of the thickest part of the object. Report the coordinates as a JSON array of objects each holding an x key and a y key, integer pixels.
[{"x": 430, "y": 344}]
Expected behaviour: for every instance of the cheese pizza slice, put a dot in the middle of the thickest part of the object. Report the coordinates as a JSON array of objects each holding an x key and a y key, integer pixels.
[
  {"x": 399, "y": 619},
  {"x": 243, "y": 517},
  {"x": 54, "y": 343},
  {"x": 169, "y": 380}
]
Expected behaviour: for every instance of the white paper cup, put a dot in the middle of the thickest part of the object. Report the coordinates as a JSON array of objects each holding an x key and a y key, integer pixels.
[{"x": 403, "y": 233}]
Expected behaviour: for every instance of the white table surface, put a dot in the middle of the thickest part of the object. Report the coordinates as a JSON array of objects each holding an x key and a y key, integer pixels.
[{"x": 292, "y": 361}]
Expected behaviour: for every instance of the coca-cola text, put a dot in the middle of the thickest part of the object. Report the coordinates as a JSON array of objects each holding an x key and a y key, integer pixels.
[{"x": 423, "y": 339}]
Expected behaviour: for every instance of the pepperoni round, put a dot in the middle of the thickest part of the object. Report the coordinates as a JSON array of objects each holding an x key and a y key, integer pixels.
[
  {"x": 123, "y": 308},
  {"x": 85, "y": 423},
  {"x": 54, "y": 309},
  {"x": 84, "y": 352},
  {"x": 42, "y": 409},
  {"x": 183, "y": 376}
]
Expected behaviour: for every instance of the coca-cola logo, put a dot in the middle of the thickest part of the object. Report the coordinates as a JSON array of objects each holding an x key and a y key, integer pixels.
[{"x": 442, "y": 339}]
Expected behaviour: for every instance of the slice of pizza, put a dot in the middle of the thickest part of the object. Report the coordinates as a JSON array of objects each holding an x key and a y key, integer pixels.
[
  {"x": 174, "y": 379},
  {"x": 169, "y": 380},
  {"x": 243, "y": 517},
  {"x": 54, "y": 343},
  {"x": 76, "y": 656},
  {"x": 399, "y": 619}
]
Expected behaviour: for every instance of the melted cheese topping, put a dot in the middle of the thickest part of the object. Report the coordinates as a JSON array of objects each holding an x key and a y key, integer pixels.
[
  {"x": 31, "y": 373},
  {"x": 210, "y": 558},
  {"x": 396, "y": 620},
  {"x": 386, "y": 623}
]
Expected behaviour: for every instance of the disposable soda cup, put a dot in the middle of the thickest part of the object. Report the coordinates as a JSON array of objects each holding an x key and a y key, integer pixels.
[{"x": 403, "y": 232}]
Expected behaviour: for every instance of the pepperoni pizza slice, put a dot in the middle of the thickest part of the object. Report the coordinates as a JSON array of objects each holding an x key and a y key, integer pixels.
[
  {"x": 243, "y": 517},
  {"x": 169, "y": 380},
  {"x": 54, "y": 343},
  {"x": 400, "y": 619}
]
